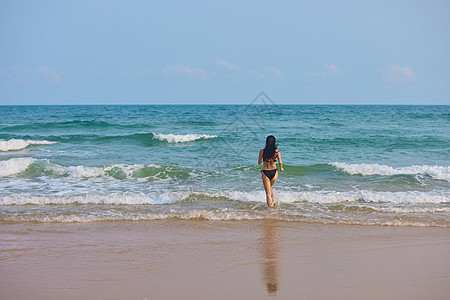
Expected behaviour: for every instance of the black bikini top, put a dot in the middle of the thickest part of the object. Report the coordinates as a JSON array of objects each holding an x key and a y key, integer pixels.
[{"x": 273, "y": 159}]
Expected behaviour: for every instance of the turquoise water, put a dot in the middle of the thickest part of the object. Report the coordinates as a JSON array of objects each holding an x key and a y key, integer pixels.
[{"x": 385, "y": 165}]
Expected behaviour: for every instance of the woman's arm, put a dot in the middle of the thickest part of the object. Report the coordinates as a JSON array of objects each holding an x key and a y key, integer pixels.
[
  {"x": 280, "y": 162},
  {"x": 260, "y": 158}
]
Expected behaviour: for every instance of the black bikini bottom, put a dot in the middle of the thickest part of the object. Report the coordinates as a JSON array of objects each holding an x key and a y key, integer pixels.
[{"x": 270, "y": 173}]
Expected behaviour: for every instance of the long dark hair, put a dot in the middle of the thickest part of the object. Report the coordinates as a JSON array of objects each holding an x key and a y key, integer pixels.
[{"x": 269, "y": 150}]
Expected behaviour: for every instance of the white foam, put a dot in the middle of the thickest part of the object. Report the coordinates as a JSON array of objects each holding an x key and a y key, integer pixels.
[
  {"x": 410, "y": 197},
  {"x": 293, "y": 197},
  {"x": 124, "y": 216},
  {"x": 76, "y": 171},
  {"x": 329, "y": 197},
  {"x": 181, "y": 138},
  {"x": 409, "y": 209},
  {"x": 90, "y": 172},
  {"x": 401, "y": 209},
  {"x": 98, "y": 199},
  {"x": 437, "y": 172},
  {"x": 18, "y": 144},
  {"x": 68, "y": 216},
  {"x": 18, "y": 165},
  {"x": 14, "y": 165}
]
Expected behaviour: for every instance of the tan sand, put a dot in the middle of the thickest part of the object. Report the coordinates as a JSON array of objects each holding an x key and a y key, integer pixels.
[{"x": 176, "y": 259}]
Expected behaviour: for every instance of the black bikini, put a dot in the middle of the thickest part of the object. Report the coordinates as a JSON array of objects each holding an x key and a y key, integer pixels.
[{"x": 270, "y": 173}]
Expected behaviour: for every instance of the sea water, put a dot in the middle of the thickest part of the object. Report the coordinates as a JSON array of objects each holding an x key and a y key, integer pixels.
[{"x": 343, "y": 164}]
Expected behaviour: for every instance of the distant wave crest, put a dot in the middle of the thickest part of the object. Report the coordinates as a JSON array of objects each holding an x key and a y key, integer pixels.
[
  {"x": 19, "y": 144},
  {"x": 437, "y": 172},
  {"x": 181, "y": 138}
]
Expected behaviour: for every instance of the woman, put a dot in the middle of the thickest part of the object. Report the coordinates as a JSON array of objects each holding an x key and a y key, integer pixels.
[{"x": 269, "y": 156}]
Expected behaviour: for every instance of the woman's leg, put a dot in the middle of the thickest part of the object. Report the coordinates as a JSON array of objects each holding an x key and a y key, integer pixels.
[
  {"x": 268, "y": 189},
  {"x": 272, "y": 182}
]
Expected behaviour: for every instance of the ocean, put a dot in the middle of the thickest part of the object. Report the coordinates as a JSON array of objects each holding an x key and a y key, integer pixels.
[{"x": 343, "y": 164}]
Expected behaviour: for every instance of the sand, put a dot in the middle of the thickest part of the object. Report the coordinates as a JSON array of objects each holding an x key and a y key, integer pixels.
[{"x": 176, "y": 259}]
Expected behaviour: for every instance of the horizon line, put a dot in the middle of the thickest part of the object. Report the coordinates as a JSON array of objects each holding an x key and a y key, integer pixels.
[{"x": 226, "y": 104}]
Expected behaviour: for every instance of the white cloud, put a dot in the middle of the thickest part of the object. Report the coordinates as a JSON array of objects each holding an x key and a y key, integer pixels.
[
  {"x": 267, "y": 72},
  {"x": 329, "y": 70},
  {"x": 318, "y": 74},
  {"x": 51, "y": 73},
  {"x": 184, "y": 71},
  {"x": 397, "y": 74},
  {"x": 27, "y": 75},
  {"x": 227, "y": 65},
  {"x": 333, "y": 69}
]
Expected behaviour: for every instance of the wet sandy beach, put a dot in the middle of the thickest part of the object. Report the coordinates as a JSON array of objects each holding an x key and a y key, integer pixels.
[{"x": 175, "y": 259}]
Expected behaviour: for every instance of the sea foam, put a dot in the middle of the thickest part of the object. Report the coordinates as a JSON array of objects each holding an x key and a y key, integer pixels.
[
  {"x": 436, "y": 172},
  {"x": 14, "y": 165},
  {"x": 95, "y": 199},
  {"x": 181, "y": 138},
  {"x": 118, "y": 171},
  {"x": 19, "y": 144},
  {"x": 330, "y": 197}
]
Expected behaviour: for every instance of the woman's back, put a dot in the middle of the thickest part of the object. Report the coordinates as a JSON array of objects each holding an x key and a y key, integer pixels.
[{"x": 270, "y": 163}]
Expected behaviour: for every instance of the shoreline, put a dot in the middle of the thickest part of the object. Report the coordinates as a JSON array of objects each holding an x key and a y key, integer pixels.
[{"x": 187, "y": 259}]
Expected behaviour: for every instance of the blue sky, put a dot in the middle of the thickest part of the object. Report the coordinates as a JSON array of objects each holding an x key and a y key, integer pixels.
[{"x": 182, "y": 52}]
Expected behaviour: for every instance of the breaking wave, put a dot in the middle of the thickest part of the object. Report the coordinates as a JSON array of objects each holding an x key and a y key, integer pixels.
[
  {"x": 289, "y": 198},
  {"x": 436, "y": 172},
  {"x": 14, "y": 165},
  {"x": 38, "y": 167},
  {"x": 95, "y": 199},
  {"x": 362, "y": 208},
  {"x": 181, "y": 138},
  {"x": 19, "y": 144}
]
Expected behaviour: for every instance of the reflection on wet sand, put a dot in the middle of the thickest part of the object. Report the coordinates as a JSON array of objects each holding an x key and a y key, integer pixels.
[{"x": 270, "y": 268}]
